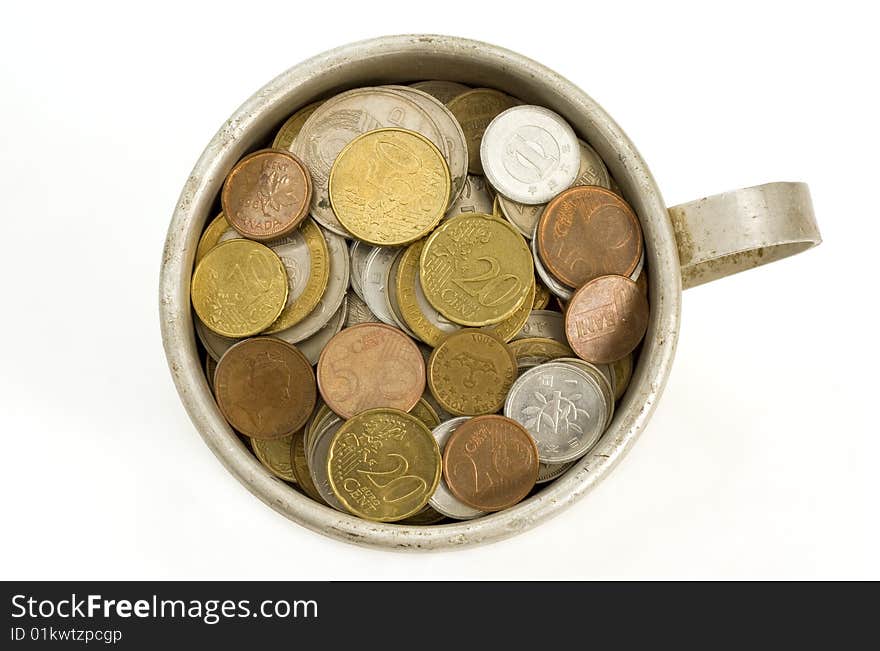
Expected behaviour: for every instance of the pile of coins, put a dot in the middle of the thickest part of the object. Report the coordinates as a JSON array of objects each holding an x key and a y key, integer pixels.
[{"x": 420, "y": 302}]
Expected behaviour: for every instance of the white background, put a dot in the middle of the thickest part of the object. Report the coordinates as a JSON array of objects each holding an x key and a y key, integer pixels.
[{"x": 760, "y": 461}]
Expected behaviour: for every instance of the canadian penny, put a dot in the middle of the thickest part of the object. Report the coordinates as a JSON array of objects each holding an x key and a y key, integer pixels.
[
  {"x": 267, "y": 194},
  {"x": 586, "y": 232},
  {"x": 265, "y": 387},
  {"x": 490, "y": 463},
  {"x": 368, "y": 366},
  {"x": 606, "y": 319}
]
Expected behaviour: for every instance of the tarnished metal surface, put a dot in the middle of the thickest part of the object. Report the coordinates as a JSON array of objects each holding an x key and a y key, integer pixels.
[
  {"x": 399, "y": 59},
  {"x": 734, "y": 231}
]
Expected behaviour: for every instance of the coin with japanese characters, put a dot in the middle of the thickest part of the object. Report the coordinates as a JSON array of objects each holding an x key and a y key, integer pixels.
[
  {"x": 529, "y": 154},
  {"x": 562, "y": 408},
  {"x": 476, "y": 197},
  {"x": 525, "y": 217}
]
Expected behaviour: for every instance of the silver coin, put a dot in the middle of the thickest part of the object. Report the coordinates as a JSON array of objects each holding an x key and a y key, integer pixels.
[
  {"x": 391, "y": 296},
  {"x": 601, "y": 377},
  {"x": 340, "y": 120},
  {"x": 295, "y": 256},
  {"x": 455, "y": 145},
  {"x": 442, "y": 90},
  {"x": 443, "y": 501},
  {"x": 476, "y": 197},
  {"x": 215, "y": 344},
  {"x": 312, "y": 346},
  {"x": 358, "y": 312},
  {"x": 556, "y": 288},
  {"x": 358, "y": 252},
  {"x": 544, "y": 323},
  {"x": 374, "y": 282},
  {"x": 337, "y": 286},
  {"x": 529, "y": 154},
  {"x": 318, "y": 461},
  {"x": 634, "y": 276},
  {"x": 550, "y": 471},
  {"x": 561, "y": 406},
  {"x": 592, "y": 171}
]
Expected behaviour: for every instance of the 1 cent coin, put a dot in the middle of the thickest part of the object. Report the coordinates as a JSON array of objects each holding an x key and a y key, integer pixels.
[
  {"x": 267, "y": 194},
  {"x": 368, "y": 366},
  {"x": 265, "y": 387},
  {"x": 606, "y": 319},
  {"x": 490, "y": 463},
  {"x": 587, "y": 232}
]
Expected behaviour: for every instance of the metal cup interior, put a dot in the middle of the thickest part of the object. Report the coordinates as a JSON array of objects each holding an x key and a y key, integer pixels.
[{"x": 402, "y": 59}]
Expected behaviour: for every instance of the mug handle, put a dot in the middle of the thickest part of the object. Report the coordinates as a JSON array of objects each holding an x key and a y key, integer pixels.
[{"x": 733, "y": 231}]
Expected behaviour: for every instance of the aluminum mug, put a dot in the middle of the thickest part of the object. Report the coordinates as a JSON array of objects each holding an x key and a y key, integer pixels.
[{"x": 685, "y": 246}]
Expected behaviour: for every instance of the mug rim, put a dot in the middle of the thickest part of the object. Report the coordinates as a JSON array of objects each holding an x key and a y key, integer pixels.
[{"x": 266, "y": 109}]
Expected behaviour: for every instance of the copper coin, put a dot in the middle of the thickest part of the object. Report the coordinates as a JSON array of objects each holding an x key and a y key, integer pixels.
[
  {"x": 606, "y": 319},
  {"x": 267, "y": 194},
  {"x": 490, "y": 462},
  {"x": 265, "y": 387},
  {"x": 586, "y": 232},
  {"x": 368, "y": 366}
]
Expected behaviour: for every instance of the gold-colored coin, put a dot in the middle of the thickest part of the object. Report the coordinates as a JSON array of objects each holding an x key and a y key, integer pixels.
[
  {"x": 542, "y": 296},
  {"x": 239, "y": 288},
  {"x": 425, "y": 413},
  {"x": 470, "y": 372},
  {"x": 426, "y": 322},
  {"x": 300, "y": 465},
  {"x": 276, "y": 456},
  {"x": 427, "y": 516},
  {"x": 474, "y": 110},
  {"x": 383, "y": 465},
  {"x": 389, "y": 186},
  {"x": 532, "y": 351},
  {"x": 290, "y": 129},
  {"x": 511, "y": 326},
  {"x": 301, "y": 306},
  {"x": 476, "y": 270},
  {"x": 211, "y": 237}
]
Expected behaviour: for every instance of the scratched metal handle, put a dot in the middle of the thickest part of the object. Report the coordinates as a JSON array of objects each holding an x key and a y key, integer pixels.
[{"x": 742, "y": 229}]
